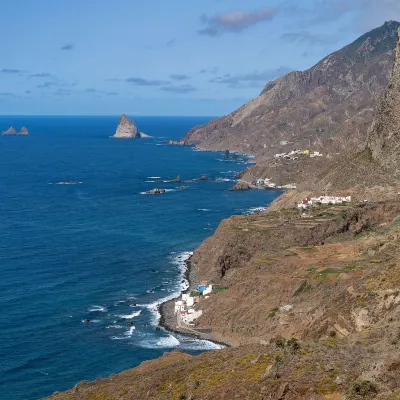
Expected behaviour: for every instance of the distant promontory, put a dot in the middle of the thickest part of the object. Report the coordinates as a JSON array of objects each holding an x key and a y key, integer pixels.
[
  {"x": 128, "y": 130},
  {"x": 12, "y": 131}
]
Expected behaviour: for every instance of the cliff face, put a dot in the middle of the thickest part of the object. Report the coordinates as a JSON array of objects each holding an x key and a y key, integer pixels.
[
  {"x": 330, "y": 101},
  {"x": 384, "y": 140}
]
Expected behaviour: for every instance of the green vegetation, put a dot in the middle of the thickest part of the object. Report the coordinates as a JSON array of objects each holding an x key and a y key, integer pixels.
[
  {"x": 273, "y": 312},
  {"x": 195, "y": 294},
  {"x": 351, "y": 267},
  {"x": 303, "y": 288},
  {"x": 363, "y": 390},
  {"x": 325, "y": 274},
  {"x": 220, "y": 288}
]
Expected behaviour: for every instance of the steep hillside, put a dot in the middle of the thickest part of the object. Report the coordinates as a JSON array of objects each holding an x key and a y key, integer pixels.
[
  {"x": 338, "y": 296},
  {"x": 384, "y": 140},
  {"x": 330, "y": 101}
]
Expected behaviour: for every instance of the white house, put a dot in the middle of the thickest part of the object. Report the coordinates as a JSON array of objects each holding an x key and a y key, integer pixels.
[
  {"x": 208, "y": 290},
  {"x": 190, "y": 301}
]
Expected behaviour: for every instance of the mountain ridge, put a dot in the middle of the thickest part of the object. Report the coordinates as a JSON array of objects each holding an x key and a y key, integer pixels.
[{"x": 320, "y": 106}]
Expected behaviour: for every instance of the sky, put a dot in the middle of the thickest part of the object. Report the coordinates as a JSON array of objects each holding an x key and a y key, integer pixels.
[{"x": 159, "y": 57}]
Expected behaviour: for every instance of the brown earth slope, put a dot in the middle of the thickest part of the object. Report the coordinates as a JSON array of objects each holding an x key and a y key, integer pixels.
[{"x": 330, "y": 101}]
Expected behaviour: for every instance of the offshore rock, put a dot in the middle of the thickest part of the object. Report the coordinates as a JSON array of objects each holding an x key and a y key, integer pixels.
[
  {"x": 128, "y": 130},
  {"x": 10, "y": 131}
]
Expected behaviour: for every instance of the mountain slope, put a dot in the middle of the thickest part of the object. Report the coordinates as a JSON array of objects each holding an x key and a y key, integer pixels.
[
  {"x": 384, "y": 140},
  {"x": 332, "y": 100}
]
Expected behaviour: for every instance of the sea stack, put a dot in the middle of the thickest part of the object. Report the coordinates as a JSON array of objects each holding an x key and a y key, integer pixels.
[
  {"x": 128, "y": 130},
  {"x": 12, "y": 131}
]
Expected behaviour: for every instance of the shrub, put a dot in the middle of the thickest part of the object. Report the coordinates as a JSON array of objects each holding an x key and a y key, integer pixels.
[
  {"x": 293, "y": 344},
  {"x": 280, "y": 342},
  {"x": 363, "y": 389}
]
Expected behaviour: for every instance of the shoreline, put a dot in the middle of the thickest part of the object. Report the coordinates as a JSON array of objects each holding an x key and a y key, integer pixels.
[{"x": 168, "y": 319}]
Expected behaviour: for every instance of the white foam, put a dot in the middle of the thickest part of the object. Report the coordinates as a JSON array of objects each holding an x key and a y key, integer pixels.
[
  {"x": 254, "y": 210},
  {"x": 119, "y": 337},
  {"x": 178, "y": 259},
  {"x": 115, "y": 326},
  {"x": 130, "y": 316},
  {"x": 154, "y": 177},
  {"x": 203, "y": 209},
  {"x": 161, "y": 343},
  {"x": 224, "y": 180},
  {"x": 98, "y": 308},
  {"x": 130, "y": 332}
]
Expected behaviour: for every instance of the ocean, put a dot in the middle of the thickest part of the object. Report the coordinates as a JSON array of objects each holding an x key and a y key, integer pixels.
[{"x": 99, "y": 249}]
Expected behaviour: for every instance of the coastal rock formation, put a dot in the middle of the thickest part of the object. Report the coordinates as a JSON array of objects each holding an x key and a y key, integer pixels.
[
  {"x": 320, "y": 107},
  {"x": 12, "y": 131},
  {"x": 128, "y": 130},
  {"x": 240, "y": 186},
  {"x": 177, "y": 142},
  {"x": 156, "y": 191},
  {"x": 384, "y": 140}
]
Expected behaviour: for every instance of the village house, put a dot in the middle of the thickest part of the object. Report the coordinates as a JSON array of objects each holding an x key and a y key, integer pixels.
[
  {"x": 309, "y": 201},
  {"x": 184, "y": 307}
]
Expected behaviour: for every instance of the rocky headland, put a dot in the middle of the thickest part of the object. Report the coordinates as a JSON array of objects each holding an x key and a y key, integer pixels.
[
  {"x": 309, "y": 295},
  {"x": 128, "y": 130},
  {"x": 11, "y": 131}
]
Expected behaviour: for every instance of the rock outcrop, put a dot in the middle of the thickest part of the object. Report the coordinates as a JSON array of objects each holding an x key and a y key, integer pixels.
[
  {"x": 128, "y": 130},
  {"x": 240, "y": 186},
  {"x": 12, "y": 131},
  {"x": 384, "y": 140},
  {"x": 330, "y": 106}
]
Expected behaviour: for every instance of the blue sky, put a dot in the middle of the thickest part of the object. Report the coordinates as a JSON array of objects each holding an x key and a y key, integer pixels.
[{"x": 159, "y": 57}]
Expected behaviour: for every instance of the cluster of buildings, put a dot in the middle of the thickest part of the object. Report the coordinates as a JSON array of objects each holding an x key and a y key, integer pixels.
[
  {"x": 266, "y": 183},
  {"x": 309, "y": 201},
  {"x": 185, "y": 306},
  {"x": 294, "y": 154}
]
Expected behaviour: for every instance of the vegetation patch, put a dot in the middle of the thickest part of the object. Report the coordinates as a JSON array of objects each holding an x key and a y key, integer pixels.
[
  {"x": 273, "y": 312},
  {"x": 363, "y": 390},
  {"x": 303, "y": 288}
]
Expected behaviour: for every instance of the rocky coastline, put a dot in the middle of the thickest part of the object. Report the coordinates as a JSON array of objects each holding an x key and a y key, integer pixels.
[{"x": 168, "y": 319}]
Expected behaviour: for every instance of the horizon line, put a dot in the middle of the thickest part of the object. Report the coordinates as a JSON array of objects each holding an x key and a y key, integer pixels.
[{"x": 107, "y": 115}]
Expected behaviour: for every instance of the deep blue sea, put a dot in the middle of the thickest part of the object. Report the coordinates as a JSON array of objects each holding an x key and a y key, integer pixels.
[{"x": 94, "y": 249}]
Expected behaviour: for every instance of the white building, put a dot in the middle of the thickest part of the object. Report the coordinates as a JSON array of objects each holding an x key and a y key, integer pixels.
[{"x": 208, "y": 290}]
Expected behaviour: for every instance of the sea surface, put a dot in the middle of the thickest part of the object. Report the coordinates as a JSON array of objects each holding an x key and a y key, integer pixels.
[{"x": 99, "y": 249}]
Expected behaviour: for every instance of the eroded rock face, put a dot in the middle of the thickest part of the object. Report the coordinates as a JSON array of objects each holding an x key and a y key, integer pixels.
[
  {"x": 126, "y": 129},
  {"x": 330, "y": 106},
  {"x": 384, "y": 140},
  {"x": 24, "y": 131}
]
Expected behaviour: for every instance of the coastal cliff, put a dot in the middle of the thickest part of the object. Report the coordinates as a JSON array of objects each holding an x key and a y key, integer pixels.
[
  {"x": 309, "y": 296},
  {"x": 128, "y": 130}
]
